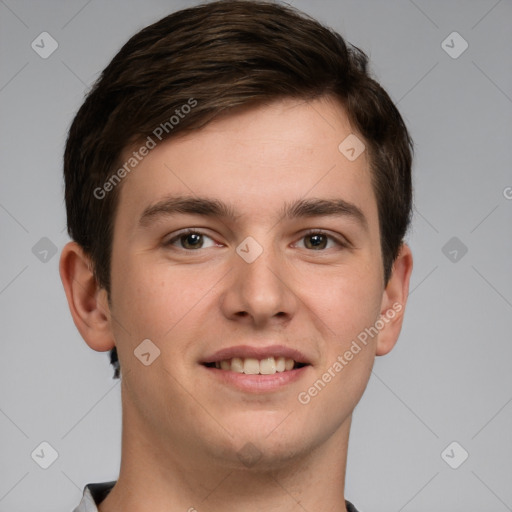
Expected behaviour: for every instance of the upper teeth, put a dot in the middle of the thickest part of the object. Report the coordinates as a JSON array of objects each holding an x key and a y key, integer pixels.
[{"x": 252, "y": 366}]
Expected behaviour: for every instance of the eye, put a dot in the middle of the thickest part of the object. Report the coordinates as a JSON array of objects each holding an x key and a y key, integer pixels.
[
  {"x": 190, "y": 240},
  {"x": 319, "y": 240}
]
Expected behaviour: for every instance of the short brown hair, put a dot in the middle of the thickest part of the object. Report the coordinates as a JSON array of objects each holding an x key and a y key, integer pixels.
[{"x": 218, "y": 56}]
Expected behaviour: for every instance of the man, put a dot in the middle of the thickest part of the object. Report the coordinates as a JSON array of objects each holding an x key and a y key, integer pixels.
[{"x": 237, "y": 189}]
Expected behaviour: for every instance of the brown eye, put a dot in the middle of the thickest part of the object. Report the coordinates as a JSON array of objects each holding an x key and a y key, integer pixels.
[
  {"x": 190, "y": 240},
  {"x": 316, "y": 241},
  {"x": 319, "y": 240}
]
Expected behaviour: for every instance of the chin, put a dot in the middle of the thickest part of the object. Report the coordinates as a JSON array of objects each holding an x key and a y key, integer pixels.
[{"x": 261, "y": 441}]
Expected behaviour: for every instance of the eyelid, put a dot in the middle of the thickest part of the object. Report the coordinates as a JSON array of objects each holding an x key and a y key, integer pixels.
[
  {"x": 339, "y": 239},
  {"x": 175, "y": 236}
]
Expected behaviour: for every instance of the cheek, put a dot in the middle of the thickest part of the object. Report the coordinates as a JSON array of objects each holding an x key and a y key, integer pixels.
[
  {"x": 346, "y": 301},
  {"x": 351, "y": 306},
  {"x": 153, "y": 297}
]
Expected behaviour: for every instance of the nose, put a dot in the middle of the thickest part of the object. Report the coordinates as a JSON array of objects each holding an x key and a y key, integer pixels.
[{"x": 260, "y": 292}]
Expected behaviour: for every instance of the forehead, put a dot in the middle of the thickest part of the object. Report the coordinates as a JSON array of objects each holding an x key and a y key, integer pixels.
[{"x": 257, "y": 158}]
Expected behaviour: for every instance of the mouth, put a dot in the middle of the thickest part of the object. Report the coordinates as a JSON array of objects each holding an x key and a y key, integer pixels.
[
  {"x": 252, "y": 366},
  {"x": 257, "y": 370}
]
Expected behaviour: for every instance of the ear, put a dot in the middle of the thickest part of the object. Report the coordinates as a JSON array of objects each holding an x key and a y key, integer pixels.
[
  {"x": 87, "y": 302},
  {"x": 394, "y": 300}
]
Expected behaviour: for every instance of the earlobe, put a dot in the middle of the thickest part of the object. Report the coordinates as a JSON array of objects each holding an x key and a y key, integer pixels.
[
  {"x": 86, "y": 299},
  {"x": 394, "y": 300}
]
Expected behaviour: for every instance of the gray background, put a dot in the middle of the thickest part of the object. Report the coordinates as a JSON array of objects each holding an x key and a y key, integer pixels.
[{"x": 448, "y": 379}]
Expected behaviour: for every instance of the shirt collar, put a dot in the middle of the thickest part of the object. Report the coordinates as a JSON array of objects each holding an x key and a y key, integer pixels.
[{"x": 93, "y": 495}]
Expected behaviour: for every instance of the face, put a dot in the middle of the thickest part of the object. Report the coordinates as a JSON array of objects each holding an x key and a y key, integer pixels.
[{"x": 246, "y": 245}]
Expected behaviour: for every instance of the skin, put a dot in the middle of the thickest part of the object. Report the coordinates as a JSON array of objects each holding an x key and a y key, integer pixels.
[{"x": 183, "y": 429}]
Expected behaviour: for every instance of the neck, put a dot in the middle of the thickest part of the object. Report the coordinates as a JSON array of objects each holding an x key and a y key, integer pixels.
[{"x": 157, "y": 476}]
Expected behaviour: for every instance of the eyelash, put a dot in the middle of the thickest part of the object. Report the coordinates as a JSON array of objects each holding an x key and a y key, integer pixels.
[{"x": 339, "y": 241}]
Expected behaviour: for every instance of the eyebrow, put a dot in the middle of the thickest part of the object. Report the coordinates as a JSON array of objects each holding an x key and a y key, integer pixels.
[{"x": 207, "y": 207}]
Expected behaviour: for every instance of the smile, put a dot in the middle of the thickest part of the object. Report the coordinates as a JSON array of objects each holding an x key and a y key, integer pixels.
[{"x": 253, "y": 366}]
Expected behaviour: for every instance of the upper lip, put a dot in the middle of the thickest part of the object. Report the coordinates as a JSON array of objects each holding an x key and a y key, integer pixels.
[{"x": 244, "y": 351}]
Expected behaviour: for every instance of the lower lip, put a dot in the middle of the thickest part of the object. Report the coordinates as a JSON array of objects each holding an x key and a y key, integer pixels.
[{"x": 257, "y": 383}]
